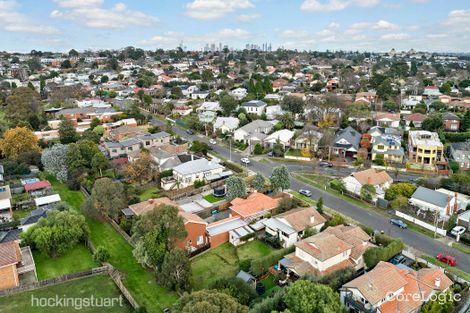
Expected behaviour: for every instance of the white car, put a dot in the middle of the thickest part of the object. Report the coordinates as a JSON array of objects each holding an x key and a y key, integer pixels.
[
  {"x": 458, "y": 230},
  {"x": 212, "y": 142},
  {"x": 245, "y": 161}
]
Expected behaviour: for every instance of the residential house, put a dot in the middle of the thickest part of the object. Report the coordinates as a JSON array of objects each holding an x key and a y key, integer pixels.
[
  {"x": 414, "y": 120},
  {"x": 14, "y": 261},
  {"x": 346, "y": 142},
  {"x": 239, "y": 93},
  {"x": 199, "y": 95},
  {"x": 226, "y": 124},
  {"x": 195, "y": 226},
  {"x": 103, "y": 114},
  {"x": 309, "y": 139},
  {"x": 289, "y": 226},
  {"x": 253, "y": 132},
  {"x": 451, "y": 122},
  {"x": 425, "y": 147},
  {"x": 431, "y": 92},
  {"x": 464, "y": 219},
  {"x": 460, "y": 153},
  {"x": 5, "y": 201},
  {"x": 432, "y": 200},
  {"x": 334, "y": 248},
  {"x": 369, "y": 96},
  {"x": 219, "y": 232},
  {"x": 282, "y": 137},
  {"x": 411, "y": 102},
  {"x": 392, "y": 288},
  {"x": 209, "y": 106},
  {"x": 257, "y": 107},
  {"x": 123, "y": 132},
  {"x": 379, "y": 179},
  {"x": 388, "y": 146},
  {"x": 186, "y": 174},
  {"x": 273, "y": 111},
  {"x": 128, "y": 146},
  {"x": 387, "y": 119},
  {"x": 207, "y": 117},
  {"x": 255, "y": 206}
]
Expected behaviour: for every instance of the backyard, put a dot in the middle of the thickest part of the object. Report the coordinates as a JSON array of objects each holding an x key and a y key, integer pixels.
[
  {"x": 212, "y": 199},
  {"x": 140, "y": 282},
  {"x": 76, "y": 260},
  {"x": 224, "y": 261},
  {"x": 100, "y": 287}
]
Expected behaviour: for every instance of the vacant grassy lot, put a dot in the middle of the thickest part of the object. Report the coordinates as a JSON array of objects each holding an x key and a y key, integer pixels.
[
  {"x": 140, "y": 282},
  {"x": 100, "y": 287},
  {"x": 224, "y": 261},
  {"x": 76, "y": 260}
]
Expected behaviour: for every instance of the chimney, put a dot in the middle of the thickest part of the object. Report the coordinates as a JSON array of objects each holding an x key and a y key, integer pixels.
[
  {"x": 312, "y": 219},
  {"x": 151, "y": 201},
  {"x": 369, "y": 180},
  {"x": 437, "y": 283}
]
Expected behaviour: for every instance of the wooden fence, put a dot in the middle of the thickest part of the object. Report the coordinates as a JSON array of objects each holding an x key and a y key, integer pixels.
[{"x": 54, "y": 281}]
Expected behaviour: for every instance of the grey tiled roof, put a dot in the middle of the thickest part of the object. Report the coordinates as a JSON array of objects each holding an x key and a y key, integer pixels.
[{"x": 431, "y": 196}]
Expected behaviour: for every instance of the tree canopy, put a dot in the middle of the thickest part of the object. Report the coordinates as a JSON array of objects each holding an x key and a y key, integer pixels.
[
  {"x": 208, "y": 301},
  {"x": 16, "y": 141},
  {"x": 236, "y": 187},
  {"x": 280, "y": 179}
]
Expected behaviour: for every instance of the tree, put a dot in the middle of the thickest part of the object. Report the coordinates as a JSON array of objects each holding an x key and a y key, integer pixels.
[
  {"x": 228, "y": 104},
  {"x": 287, "y": 120},
  {"x": 258, "y": 182},
  {"x": 108, "y": 197},
  {"x": 320, "y": 205},
  {"x": 438, "y": 106},
  {"x": 390, "y": 105},
  {"x": 420, "y": 108},
  {"x": 433, "y": 122},
  {"x": 101, "y": 254},
  {"x": 235, "y": 287},
  {"x": 258, "y": 149},
  {"x": 73, "y": 53},
  {"x": 104, "y": 79},
  {"x": 57, "y": 233},
  {"x": 294, "y": 104},
  {"x": 465, "y": 124},
  {"x": 54, "y": 160},
  {"x": 400, "y": 202},
  {"x": 99, "y": 163},
  {"x": 368, "y": 192},
  {"x": 206, "y": 301},
  {"x": 80, "y": 155},
  {"x": 176, "y": 270},
  {"x": 280, "y": 178},
  {"x": 399, "y": 189},
  {"x": 23, "y": 106},
  {"x": 236, "y": 187},
  {"x": 16, "y": 141},
  {"x": 176, "y": 93},
  {"x": 441, "y": 303},
  {"x": 304, "y": 296},
  {"x": 67, "y": 132},
  {"x": 199, "y": 147},
  {"x": 142, "y": 169},
  {"x": 207, "y": 75},
  {"x": 156, "y": 233}
]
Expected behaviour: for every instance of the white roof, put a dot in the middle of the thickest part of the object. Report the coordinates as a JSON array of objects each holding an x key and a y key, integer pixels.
[
  {"x": 47, "y": 199},
  {"x": 284, "y": 135},
  {"x": 5, "y": 204}
]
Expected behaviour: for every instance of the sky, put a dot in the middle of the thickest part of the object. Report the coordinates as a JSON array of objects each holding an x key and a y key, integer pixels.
[{"x": 364, "y": 25}]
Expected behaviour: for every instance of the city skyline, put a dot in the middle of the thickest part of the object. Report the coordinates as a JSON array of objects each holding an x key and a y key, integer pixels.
[{"x": 364, "y": 25}]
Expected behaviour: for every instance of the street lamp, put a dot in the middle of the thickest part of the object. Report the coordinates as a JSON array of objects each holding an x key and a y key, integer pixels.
[{"x": 230, "y": 145}]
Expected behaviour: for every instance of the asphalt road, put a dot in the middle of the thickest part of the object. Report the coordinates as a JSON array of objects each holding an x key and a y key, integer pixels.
[{"x": 413, "y": 239}]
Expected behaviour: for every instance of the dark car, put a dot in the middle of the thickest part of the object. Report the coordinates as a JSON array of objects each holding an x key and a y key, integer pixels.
[
  {"x": 325, "y": 164},
  {"x": 189, "y": 132},
  {"x": 398, "y": 259},
  {"x": 398, "y": 222}
]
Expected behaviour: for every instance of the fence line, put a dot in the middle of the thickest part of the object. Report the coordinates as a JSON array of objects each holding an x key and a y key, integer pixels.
[
  {"x": 116, "y": 277},
  {"x": 120, "y": 231},
  {"x": 54, "y": 281}
]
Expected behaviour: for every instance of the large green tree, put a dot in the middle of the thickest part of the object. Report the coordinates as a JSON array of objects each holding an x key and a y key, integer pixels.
[
  {"x": 293, "y": 104},
  {"x": 57, "y": 233},
  {"x": 236, "y": 187},
  {"x": 206, "y": 301},
  {"x": 258, "y": 182},
  {"x": 235, "y": 287},
  {"x": 156, "y": 233},
  {"x": 175, "y": 271},
  {"x": 228, "y": 104},
  {"x": 23, "y": 107},
  {"x": 108, "y": 197},
  {"x": 280, "y": 178},
  {"x": 67, "y": 132}
]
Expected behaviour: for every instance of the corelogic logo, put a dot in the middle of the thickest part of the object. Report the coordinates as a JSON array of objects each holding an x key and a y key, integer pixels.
[
  {"x": 440, "y": 298},
  {"x": 76, "y": 303}
]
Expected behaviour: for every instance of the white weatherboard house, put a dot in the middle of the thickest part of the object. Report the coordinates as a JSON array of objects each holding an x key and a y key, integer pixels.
[
  {"x": 432, "y": 200},
  {"x": 226, "y": 124},
  {"x": 257, "y": 107},
  {"x": 283, "y": 137},
  {"x": 253, "y": 132}
]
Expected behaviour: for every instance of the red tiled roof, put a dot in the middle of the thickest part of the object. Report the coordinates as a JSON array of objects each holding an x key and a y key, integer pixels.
[
  {"x": 9, "y": 253},
  {"x": 37, "y": 185}
]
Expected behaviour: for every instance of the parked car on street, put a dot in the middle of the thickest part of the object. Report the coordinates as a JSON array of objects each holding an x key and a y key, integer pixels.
[
  {"x": 212, "y": 142},
  {"x": 447, "y": 259},
  {"x": 305, "y": 192},
  {"x": 398, "y": 222},
  {"x": 189, "y": 132},
  {"x": 325, "y": 164},
  {"x": 245, "y": 161},
  {"x": 458, "y": 231}
]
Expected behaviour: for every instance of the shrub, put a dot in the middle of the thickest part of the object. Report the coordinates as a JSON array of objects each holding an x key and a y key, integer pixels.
[
  {"x": 235, "y": 287},
  {"x": 374, "y": 255},
  {"x": 258, "y": 149},
  {"x": 234, "y": 167},
  {"x": 261, "y": 265},
  {"x": 101, "y": 254},
  {"x": 338, "y": 184},
  {"x": 245, "y": 265},
  {"x": 198, "y": 183},
  {"x": 166, "y": 173}
]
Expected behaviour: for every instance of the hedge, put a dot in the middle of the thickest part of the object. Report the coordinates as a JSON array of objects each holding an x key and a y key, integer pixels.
[
  {"x": 262, "y": 265},
  {"x": 234, "y": 167},
  {"x": 374, "y": 255},
  {"x": 455, "y": 137}
]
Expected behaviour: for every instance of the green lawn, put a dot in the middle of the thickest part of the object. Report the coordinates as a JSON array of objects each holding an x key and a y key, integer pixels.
[
  {"x": 461, "y": 247},
  {"x": 22, "y": 213},
  {"x": 212, "y": 199},
  {"x": 140, "y": 282},
  {"x": 76, "y": 260},
  {"x": 149, "y": 194},
  {"x": 100, "y": 287},
  {"x": 223, "y": 261}
]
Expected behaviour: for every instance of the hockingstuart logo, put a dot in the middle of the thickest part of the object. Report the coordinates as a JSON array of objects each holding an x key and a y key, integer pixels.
[{"x": 76, "y": 303}]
